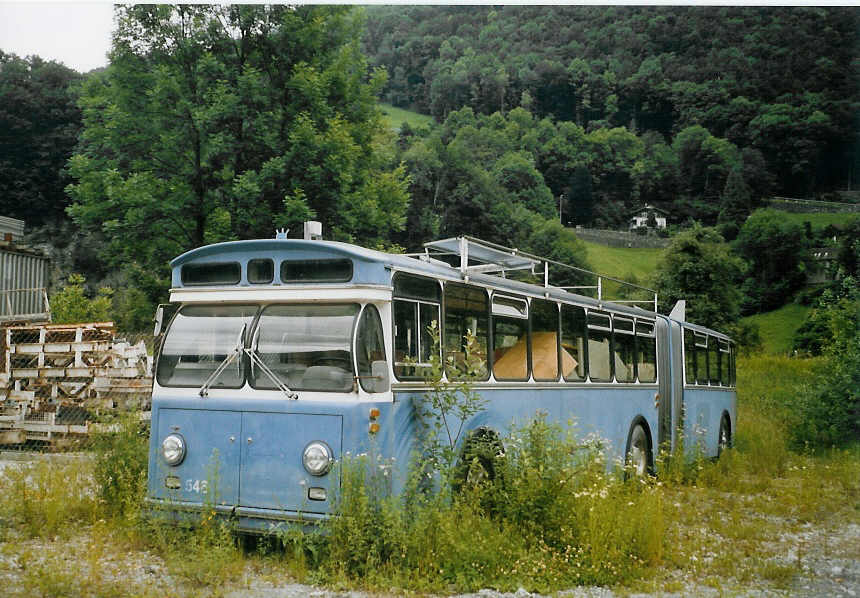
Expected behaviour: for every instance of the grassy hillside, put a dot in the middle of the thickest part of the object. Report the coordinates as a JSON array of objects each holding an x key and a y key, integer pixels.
[
  {"x": 818, "y": 221},
  {"x": 397, "y": 116},
  {"x": 621, "y": 262},
  {"x": 777, "y": 327}
]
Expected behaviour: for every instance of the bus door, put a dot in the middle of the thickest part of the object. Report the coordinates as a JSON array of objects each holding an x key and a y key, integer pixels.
[{"x": 668, "y": 393}]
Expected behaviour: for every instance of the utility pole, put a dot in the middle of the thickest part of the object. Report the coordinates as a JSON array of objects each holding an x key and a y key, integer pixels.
[{"x": 560, "y": 198}]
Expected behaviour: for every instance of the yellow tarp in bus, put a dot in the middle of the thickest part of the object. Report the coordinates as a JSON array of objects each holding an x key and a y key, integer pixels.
[{"x": 512, "y": 364}]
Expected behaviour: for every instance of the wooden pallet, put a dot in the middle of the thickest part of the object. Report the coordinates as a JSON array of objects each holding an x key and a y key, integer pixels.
[{"x": 52, "y": 370}]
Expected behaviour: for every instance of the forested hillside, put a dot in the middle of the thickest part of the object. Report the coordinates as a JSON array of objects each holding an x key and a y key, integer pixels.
[
  {"x": 781, "y": 81},
  {"x": 214, "y": 123}
]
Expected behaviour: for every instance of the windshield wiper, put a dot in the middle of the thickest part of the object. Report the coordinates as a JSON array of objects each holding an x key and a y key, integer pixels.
[
  {"x": 255, "y": 359},
  {"x": 231, "y": 357}
]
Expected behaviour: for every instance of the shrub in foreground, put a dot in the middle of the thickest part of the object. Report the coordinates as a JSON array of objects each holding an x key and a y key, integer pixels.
[
  {"x": 552, "y": 517},
  {"x": 120, "y": 468}
]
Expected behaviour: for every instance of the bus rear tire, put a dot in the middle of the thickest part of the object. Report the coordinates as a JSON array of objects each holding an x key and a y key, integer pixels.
[
  {"x": 478, "y": 460},
  {"x": 724, "y": 438},
  {"x": 637, "y": 460}
]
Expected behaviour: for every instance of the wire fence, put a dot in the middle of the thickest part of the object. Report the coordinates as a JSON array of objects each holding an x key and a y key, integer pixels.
[{"x": 61, "y": 384}]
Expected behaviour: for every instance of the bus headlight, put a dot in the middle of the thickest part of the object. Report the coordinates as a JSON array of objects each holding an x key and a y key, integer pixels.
[
  {"x": 317, "y": 458},
  {"x": 173, "y": 449}
]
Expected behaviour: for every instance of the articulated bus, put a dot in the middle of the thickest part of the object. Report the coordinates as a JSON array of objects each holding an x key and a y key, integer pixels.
[{"x": 283, "y": 355}]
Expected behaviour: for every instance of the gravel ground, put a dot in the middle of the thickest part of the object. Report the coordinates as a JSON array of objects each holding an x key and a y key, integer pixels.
[{"x": 836, "y": 574}]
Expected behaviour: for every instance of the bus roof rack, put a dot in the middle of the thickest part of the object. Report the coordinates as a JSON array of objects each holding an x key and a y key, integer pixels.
[
  {"x": 491, "y": 258},
  {"x": 483, "y": 257}
]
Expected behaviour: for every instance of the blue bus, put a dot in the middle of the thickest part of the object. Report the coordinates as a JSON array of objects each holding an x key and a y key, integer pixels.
[{"x": 283, "y": 355}]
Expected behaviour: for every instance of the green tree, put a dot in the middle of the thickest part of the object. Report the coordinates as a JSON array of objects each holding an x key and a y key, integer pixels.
[
  {"x": 579, "y": 198},
  {"x": 215, "y": 123},
  {"x": 775, "y": 251},
  {"x": 704, "y": 163},
  {"x": 828, "y": 412},
  {"x": 699, "y": 268},
  {"x": 735, "y": 203},
  {"x": 39, "y": 124},
  {"x": 72, "y": 306}
]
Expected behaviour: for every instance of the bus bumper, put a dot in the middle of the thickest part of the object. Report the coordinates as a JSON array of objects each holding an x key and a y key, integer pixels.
[{"x": 245, "y": 519}]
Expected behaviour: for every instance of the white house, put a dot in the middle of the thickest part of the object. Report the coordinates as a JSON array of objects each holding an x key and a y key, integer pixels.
[{"x": 640, "y": 218}]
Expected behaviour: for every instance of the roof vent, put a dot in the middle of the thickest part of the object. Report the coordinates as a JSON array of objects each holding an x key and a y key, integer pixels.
[{"x": 313, "y": 230}]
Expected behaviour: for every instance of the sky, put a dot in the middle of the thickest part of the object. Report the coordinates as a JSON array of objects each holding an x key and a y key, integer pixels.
[{"x": 74, "y": 33}]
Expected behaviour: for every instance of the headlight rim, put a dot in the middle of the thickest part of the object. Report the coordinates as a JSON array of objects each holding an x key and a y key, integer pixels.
[
  {"x": 183, "y": 446},
  {"x": 329, "y": 461}
]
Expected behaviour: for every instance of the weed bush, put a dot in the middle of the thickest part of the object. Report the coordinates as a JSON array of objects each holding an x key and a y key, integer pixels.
[
  {"x": 45, "y": 499},
  {"x": 120, "y": 468},
  {"x": 552, "y": 517}
]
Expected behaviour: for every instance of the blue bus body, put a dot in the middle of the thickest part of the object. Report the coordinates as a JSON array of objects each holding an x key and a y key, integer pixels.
[{"x": 325, "y": 319}]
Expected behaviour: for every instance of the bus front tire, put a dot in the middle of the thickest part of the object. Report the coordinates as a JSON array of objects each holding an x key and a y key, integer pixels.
[
  {"x": 724, "y": 438},
  {"x": 637, "y": 462},
  {"x": 478, "y": 463}
]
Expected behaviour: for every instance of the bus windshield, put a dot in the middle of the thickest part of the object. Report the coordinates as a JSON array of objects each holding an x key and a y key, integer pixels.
[
  {"x": 308, "y": 347},
  {"x": 199, "y": 339},
  {"x": 304, "y": 346}
]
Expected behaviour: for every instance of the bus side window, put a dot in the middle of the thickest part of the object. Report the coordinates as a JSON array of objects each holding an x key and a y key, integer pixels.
[
  {"x": 416, "y": 309},
  {"x": 646, "y": 351},
  {"x": 623, "y": 349},
  {"x": 733, "y": 354},
  {"x": 405, "y": 338},
  {"x": 599, "y": 347},
  {"x": 466, "y": 311},
  {"x": 369, "y": 348},
  {"x": 689, "y": 356},
  {"x": 713, "y": 361},
  {"x": 428, "y": 316},
  {"x": 545, "y": 354},
  {"x": 701, "y": 358},
  {"x": 725, "y": 359},
  {"x": 573, "y": 359},
  {"x": 510, "y": 338}
]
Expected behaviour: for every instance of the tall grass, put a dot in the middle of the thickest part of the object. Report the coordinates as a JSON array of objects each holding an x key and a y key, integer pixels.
[
  {"x": 778, "y": 327},
  {"x": 47, "y": 499},
  {"x": 552, "y": 517}
]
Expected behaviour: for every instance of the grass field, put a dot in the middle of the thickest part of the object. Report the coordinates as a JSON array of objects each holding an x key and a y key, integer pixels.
[
  {"x": 777, "y": 327},
  {"x": 818, "y": 221},
  {"x": 397, "y": 116},
  {"x": 621, "y": 262}
]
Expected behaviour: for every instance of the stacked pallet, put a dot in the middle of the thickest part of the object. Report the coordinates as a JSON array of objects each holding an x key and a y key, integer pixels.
[{"x": 56, "y": 380}]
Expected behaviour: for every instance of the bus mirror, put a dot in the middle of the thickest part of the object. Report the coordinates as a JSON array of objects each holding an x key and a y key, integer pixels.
[
  {"x": 162, "y": 316},
  {"x": 158, "y": 320},
  {"x": 379, "y": 380}
]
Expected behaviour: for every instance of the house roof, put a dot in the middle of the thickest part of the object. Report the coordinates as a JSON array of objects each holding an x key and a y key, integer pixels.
[{"x": 648, "y": 208}]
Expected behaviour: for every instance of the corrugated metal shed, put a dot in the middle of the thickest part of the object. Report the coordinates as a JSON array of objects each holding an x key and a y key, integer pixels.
[
  {"x": 11, "y": 229},
  {"x": 23, "y": 276}
]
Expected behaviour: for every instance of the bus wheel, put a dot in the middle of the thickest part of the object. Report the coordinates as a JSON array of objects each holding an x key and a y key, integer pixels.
[
  {"x": 724, "y": 440},
  {"x": 478, "y": 460},
  {"x": 638, "y": 457}
]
